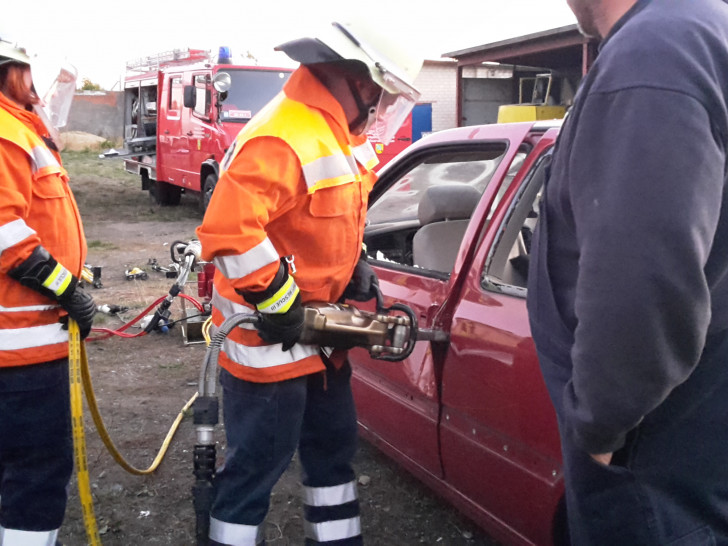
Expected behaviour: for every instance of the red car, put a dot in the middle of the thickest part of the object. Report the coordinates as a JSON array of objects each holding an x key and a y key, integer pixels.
[{"x": 449, "y": 231}]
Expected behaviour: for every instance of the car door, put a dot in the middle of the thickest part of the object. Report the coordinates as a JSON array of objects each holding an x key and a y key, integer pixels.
[
  {"x": 499, "y": 440},
  {"x": 399, "y": 403}
]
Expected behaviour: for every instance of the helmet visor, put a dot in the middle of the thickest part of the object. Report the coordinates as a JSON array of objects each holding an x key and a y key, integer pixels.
[
  {"x": 391, "y": 112},
  {"x": 397, "y": 100},
  {"x": 57, "y": 100}
]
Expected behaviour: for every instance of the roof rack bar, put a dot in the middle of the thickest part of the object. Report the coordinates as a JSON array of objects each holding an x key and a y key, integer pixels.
[{"x": 175, "y": 56}]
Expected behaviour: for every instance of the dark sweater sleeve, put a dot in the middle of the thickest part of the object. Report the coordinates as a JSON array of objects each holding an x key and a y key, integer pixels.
[{"x": 645, "y": 194}]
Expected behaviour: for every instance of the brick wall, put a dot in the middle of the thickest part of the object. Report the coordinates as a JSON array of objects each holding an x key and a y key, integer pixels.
[
  {"x": 100, "y": 114},
  {"x": 438, "y": 84}
]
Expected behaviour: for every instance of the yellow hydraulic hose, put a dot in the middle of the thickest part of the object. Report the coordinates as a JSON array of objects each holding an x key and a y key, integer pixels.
[
  {"x": 206, "y": 330},
  {"x": 80, "y": 377},
  {"x": 75, "y": 350},
  {"x": 104, "y": 434}
]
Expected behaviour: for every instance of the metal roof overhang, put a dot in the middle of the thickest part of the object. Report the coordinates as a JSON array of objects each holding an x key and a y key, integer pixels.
[{"x": 562, "y": 48}]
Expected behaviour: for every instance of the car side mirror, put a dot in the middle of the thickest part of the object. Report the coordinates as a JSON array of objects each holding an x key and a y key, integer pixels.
[{"x": 190, "y": 97}]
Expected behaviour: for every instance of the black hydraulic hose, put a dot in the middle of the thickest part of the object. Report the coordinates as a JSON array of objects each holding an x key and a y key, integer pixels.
[
  {"x": 205, "y": 417},
  {"x": 207, "y": 384}
]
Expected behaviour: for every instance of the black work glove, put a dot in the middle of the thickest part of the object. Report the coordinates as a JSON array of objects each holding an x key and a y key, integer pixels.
[
  {"x": 364, "y": 283},
  {"x": 81, "y": 307},
  {"x": 284, "y": 328},
  {"x": 278, "y": 326}
]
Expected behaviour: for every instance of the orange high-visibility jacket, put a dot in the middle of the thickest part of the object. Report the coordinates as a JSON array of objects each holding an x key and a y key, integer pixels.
[
  {"x": 295, "y": 183},
  {"x": 36, "y": 208}
]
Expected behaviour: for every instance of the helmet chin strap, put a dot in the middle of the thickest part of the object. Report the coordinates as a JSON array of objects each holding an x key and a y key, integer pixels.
[{"x": 366, "y": 116}]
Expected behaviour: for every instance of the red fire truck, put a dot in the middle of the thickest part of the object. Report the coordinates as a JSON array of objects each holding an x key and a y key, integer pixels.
[{"x": 182, "y": 109}]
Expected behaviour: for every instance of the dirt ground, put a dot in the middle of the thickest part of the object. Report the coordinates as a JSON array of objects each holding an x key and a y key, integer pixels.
[{"x": 141, "y": 385}]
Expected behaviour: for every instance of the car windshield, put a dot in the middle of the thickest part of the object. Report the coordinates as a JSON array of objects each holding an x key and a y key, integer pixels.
[
  {"x": 249, "y": 92},
  {"x": 400, "y": 202}
]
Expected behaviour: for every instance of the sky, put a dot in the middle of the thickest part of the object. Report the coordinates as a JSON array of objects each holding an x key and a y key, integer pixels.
[{"x": 99, "y": 37}]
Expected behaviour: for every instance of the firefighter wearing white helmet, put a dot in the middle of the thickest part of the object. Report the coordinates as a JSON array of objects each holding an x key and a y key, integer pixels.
[
  {"x": 390, "y": 67},
  {"x": 284, "y": 227},
  {"x": 42, "y": 251}
]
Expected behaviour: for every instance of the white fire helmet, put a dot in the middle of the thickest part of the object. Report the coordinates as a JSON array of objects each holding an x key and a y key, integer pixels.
[
  {"x": 391, "y": 67},
  {"x": 55, "y": 83},
  {"x": 12, "y": 54}
]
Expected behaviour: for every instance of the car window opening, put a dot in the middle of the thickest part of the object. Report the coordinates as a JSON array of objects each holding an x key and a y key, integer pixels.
[
  {"x": 421, "y": 219},
  {"x": 506, "y": 268}
]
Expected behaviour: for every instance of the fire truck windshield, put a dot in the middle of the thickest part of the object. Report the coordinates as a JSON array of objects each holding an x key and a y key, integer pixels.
[{"x": 250, "y": 90}]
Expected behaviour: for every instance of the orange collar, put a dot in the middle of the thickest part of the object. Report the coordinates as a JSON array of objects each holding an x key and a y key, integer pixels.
[
  {"x": 305, "y": 88},
  {"x": 29, "y": 119}
]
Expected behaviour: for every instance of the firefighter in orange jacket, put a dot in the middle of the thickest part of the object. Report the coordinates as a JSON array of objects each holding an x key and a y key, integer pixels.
[
  {"x": 285, "y": 226},
  {"x": 42, "y": 251}
]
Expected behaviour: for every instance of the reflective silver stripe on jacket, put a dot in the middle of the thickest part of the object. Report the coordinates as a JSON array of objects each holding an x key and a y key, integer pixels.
[
  {"x": 266, "y": 356},
  {"x": 327, "y": 531},
  {"x": 328, "y": 168},
  {"x": 330, "y": 496},
  {"x": 14, "y": 232},
  {"x": 42, "y": 158},
  {"x": 28, "y": 308},
  {"x": 14, "y": 339},
  {"x": 240, "y": 265},
  {"x": 229, "y": 308},
  {"x": 14, "y": 537},
  {"x": 365, "y": 155},
  {"x": 235, "y": 534}
]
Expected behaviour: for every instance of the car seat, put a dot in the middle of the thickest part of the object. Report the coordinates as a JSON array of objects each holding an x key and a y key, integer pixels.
[{"x": 444, "y": 213}]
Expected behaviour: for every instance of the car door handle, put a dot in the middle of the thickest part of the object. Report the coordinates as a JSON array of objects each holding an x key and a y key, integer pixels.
[
  {"x": 189, "y": 133},
  {"x": 427, "y": 334},
  {"x": 166, "y": 132}
]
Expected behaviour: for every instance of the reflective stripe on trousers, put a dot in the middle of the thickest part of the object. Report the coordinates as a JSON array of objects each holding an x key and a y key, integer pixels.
[
  {"x": 15, "y": 537},
  {"x": 332, "y": 513},
  {"x": 320, "y": 420},
  {"x": 235, "y": 534}
]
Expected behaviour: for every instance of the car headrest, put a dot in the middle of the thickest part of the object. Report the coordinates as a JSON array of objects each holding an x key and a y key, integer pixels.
[{"x": 447, "y": 202}]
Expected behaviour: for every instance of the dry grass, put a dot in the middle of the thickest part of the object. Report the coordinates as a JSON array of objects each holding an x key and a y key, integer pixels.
[{"x": 105, "y": 191}]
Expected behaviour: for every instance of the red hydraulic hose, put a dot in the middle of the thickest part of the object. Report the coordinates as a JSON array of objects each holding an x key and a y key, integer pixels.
[
  {"x": 105, "y": 333},
  {"x": 193, "y": 301}
]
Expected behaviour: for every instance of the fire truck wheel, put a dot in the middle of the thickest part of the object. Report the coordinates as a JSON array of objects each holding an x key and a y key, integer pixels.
[
  {"x": 163, "y": 194},
  {"x": 207, "y": 188}
]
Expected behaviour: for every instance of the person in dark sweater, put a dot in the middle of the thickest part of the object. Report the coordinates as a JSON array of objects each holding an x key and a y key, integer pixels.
[{"x": 628, "y": 281}]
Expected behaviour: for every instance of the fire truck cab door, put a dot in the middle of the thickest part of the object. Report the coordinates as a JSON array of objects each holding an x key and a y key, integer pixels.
[
  {"x": 198, "y": 128},
  {"x": 173, "y": 152}
]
